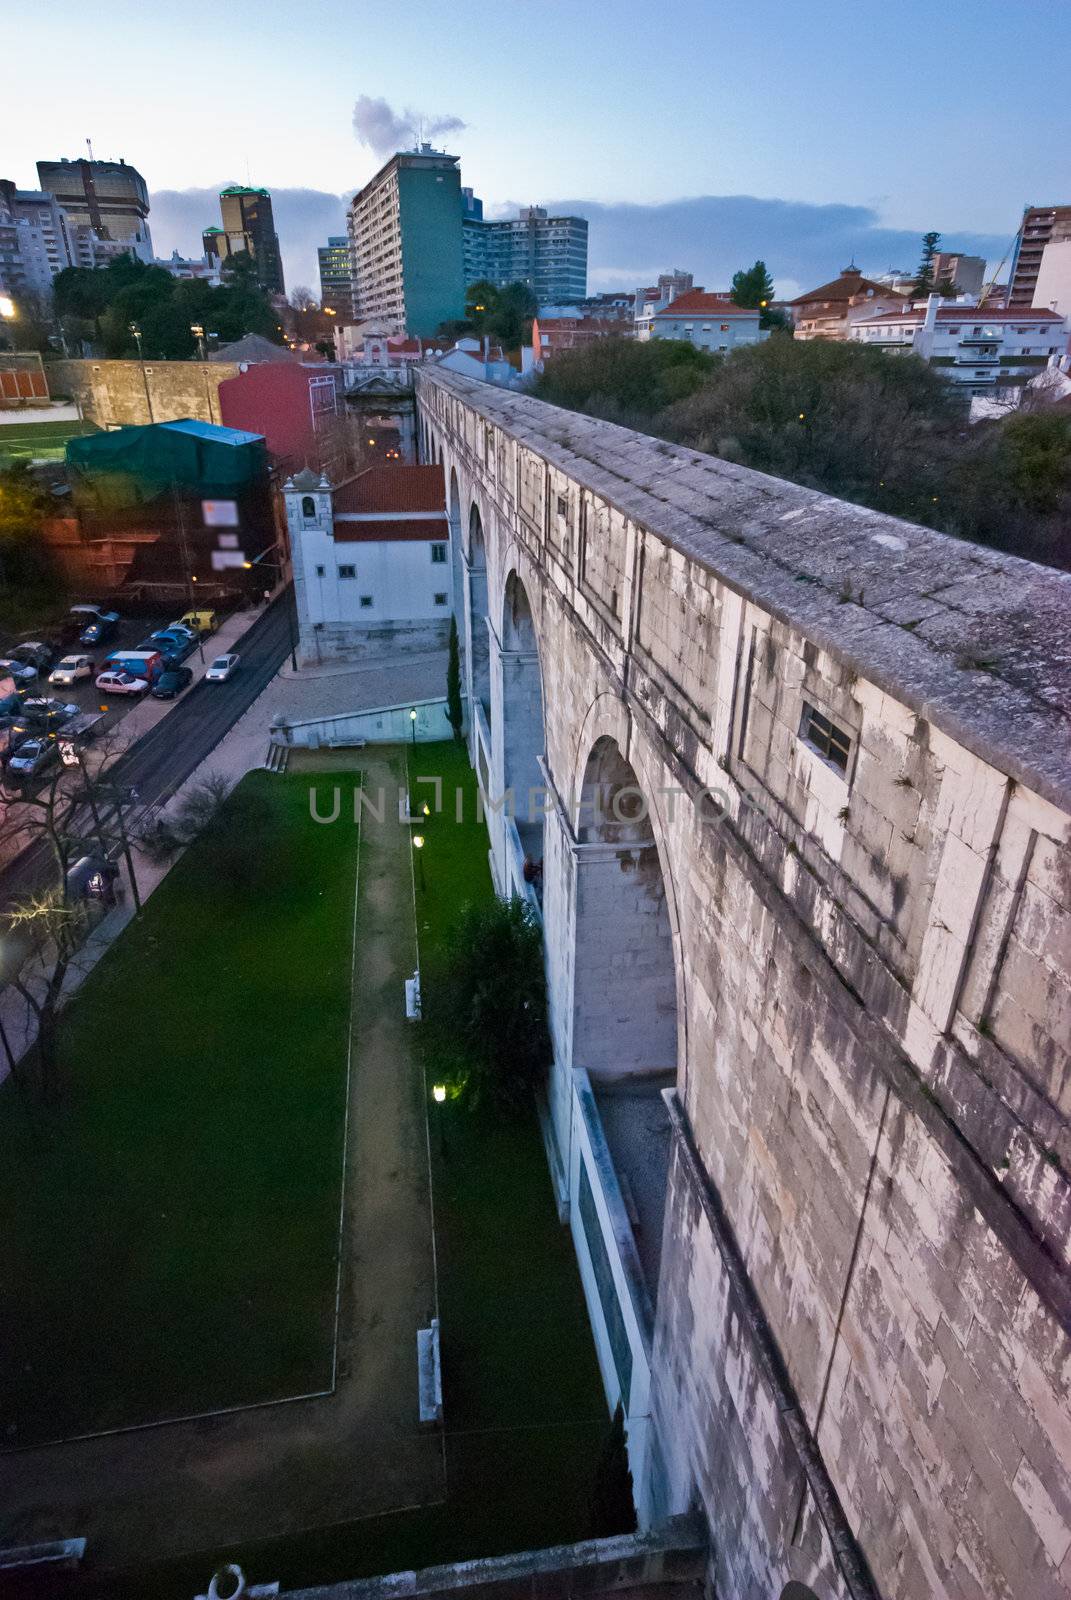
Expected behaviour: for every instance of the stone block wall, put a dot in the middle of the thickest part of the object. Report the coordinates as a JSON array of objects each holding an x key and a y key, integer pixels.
[
  {"x": 121, "y": 394},
  {"x": 861, "y": 1360}
]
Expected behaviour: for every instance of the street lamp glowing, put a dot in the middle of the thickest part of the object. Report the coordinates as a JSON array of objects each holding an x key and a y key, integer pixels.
[
  {"x": 438, "y": 1093},
  {"x": 426, "y": 809},
  {"x": 418, "y": 841},
  {"x": 7, "y": 307}
]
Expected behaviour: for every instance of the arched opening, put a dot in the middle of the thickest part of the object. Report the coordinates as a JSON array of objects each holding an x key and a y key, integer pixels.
[
  {"x": 523, "y": 737},
  {"x": 480, "y": 644},
  {"x": 797, "y": 1591},
  {"x": 624, "y": 1018},
  {"x": 308, "y": 508}
]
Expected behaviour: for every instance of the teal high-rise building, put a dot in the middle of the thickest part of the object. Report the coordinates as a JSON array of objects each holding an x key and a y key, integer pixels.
[{"x": 406, "y": 244}]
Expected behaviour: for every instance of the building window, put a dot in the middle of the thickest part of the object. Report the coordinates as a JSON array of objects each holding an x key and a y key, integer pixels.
[
  {"x": 347, "y": 572},
  {"x": 308, "y": 508},
  {"x": 438, "y": 553},
  {"x": 831, "y": 742},
  {"x": 440, "y": 599},
  {"x": 319, "y": 572},
  {"x": 366, "y": 600},
  {"x": 563, "y": 506}
]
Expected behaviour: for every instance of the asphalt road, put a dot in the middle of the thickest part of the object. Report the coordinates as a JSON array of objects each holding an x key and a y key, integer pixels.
[{"x": 170, "y": 751}]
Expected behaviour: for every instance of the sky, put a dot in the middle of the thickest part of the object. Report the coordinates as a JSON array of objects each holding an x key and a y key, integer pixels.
[{"x": 698, "y": 137}]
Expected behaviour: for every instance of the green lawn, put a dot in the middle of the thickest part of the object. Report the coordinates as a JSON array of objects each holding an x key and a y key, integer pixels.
[
  {"x": 38, "y": 440},
  {"x": 169, "y": 1239},
  {"x": 525, "y": 1412}
]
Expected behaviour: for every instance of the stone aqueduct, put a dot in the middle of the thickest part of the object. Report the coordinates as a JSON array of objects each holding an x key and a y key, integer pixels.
[{"x": 809, "y": 994}]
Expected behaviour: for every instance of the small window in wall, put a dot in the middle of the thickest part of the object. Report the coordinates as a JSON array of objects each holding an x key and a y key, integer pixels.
[
  {"x": 320, "y": 572},
  {"x": 366, "y": 600},
  {"x": 563, "y": 506},
  {"x": 440, "y": 599},
  {"x": 308, "y": 508},
  {"x": 438, "y": 553},
  {"x": 347, "y": 572},
  {"x": 831, "y": 742}
]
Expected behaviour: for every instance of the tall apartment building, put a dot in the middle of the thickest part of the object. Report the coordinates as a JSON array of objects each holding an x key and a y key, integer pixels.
[
  {"x": 549, "y": 254},
  {"x": 1041, "y": 225},
  {"x": 248, "y": 225},
  {"x": 406, "y": 251},
  {"x": 109, "y": 198},
  {"x": 336, "y": 279},
  {"x": 966, "y": 274},
  {"x": 35, "y": 240}
]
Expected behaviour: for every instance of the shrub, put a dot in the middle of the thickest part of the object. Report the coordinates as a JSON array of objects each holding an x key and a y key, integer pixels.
[{"x": 485, "y": 1010}]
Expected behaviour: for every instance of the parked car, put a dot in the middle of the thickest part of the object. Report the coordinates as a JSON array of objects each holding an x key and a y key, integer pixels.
[
  {"x": 71, "y": 670},
  {"x": 121, "y": 683},
  {"x": 76, "y": 735},
  {"x": 100, "y": 628},
  {"x": 42, "y": 711},
  {"x": 205, "y": 622},
  {"x": 222, "y": 668},
  {"x": 34, "y": 653},
  {"x": 32, "y": 757},
  {"x": 19, "y": 670},
  {"x": 174, "y": 647},
  {"x": 171, "y": 682}
]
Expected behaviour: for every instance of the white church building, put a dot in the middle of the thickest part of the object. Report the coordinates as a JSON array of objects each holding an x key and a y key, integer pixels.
[{"x": 371, "y": 560}]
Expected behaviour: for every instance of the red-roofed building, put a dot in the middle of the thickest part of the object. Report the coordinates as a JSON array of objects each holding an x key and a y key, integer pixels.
[
  {"x": 552, "y": 334},
  {"x": 831, "y": 310},
  {"x": 371, "y": 558},
  {"x": 709, "y": 321},
  {"x": 979, "y": 348}
]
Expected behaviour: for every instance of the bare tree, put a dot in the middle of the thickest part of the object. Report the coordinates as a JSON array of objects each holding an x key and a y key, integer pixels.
[
  {"x": 303, "y": 299},
  {"x": 78, "y": 812}
]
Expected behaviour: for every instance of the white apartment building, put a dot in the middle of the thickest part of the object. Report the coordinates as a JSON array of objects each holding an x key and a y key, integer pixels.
[
  {"x": 371, "y": 559},
  {"x": 1052, "y": 291},
  {"x": 709, "y": 321},
  {"x": 975, "y": 347}
]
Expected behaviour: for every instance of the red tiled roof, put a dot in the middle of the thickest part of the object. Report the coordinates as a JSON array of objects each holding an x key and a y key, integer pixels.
[
  {"x": 970, "y": 314},
  {"x": 696, "y": 303},
  {"x": 401, "y": 531},
  {"x": 846, "y": 287},
  {"x": 400, "y": 488}
]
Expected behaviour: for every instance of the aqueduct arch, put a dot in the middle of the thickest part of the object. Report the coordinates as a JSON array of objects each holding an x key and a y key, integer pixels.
[
  {"x": 522, "y": 734},
  {"x": 476, "y": 625}
]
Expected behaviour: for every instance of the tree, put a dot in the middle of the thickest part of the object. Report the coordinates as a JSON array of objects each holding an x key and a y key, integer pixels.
[
  {"x": 27, "y": 579},
  {"x": 753, "y": 288},
  {"x": 924, "y": 277},
  {"x": 485, "y": 1009},
  {"x": 612, "y": 1508},
  {"x": 455, "y": 711},
  {"x": 303, "y": 299},
  {"x": 77, "y": 812},
  {"x": 504, "y": 314},
  {"x": 625, "y": 380}
]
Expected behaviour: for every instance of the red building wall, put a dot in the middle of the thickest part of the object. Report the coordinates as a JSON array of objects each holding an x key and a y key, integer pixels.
[{"x": 288, "y": 403}]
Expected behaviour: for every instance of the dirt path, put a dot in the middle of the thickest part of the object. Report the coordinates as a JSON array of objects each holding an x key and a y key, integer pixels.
[{"x": 142, "y": 1496}]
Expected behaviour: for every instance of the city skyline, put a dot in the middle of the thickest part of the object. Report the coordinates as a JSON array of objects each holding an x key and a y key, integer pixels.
[{"x": 753, "y": 143}]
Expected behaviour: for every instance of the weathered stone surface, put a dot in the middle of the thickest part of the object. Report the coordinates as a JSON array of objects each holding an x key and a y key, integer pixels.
[{"x": 871, "y": 964}]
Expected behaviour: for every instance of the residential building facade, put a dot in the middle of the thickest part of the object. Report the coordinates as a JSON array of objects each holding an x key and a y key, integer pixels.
[
  {"x": 35, "y": 241},
  {"x": 831, "y": 310},
  {"x": 108, "y": 197},
  {"x": 549, "y": 254},
  {"x": 966, "y": 274},
  {"x": 646, "y": 302},
  {"x": 977, "y": 348},
  {"x": 552, "y": 334},
  {"x": 1052, "y": 291},
  {"x": 336, "y": 280},
  {"x": 406, "y": 253},
  {"x": 708, "y": 321},
  {"x": 371, "y": 560},
  {"x": 1041, "y": 225},
  {"x": 249, "y": 226}
]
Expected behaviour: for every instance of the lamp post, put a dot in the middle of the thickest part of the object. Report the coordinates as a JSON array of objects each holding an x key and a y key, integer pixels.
[
  {"x": 135, "y": 329},
  {"x": 412, "y": 723},
  {"x": 418, "y": 846}
]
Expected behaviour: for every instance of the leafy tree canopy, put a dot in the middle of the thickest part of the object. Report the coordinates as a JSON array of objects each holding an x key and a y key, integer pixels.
[
  {"x": 505, "y": 314},
  {"x": 107, "y": 300},
  {"x": 624, "y": 380}
]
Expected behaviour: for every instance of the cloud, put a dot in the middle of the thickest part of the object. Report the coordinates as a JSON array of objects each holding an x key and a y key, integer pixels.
[
  {"x": 384, "y": 130},
  {"x": 713, "y": 235},
  {"x": 303, "y": 219}
]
